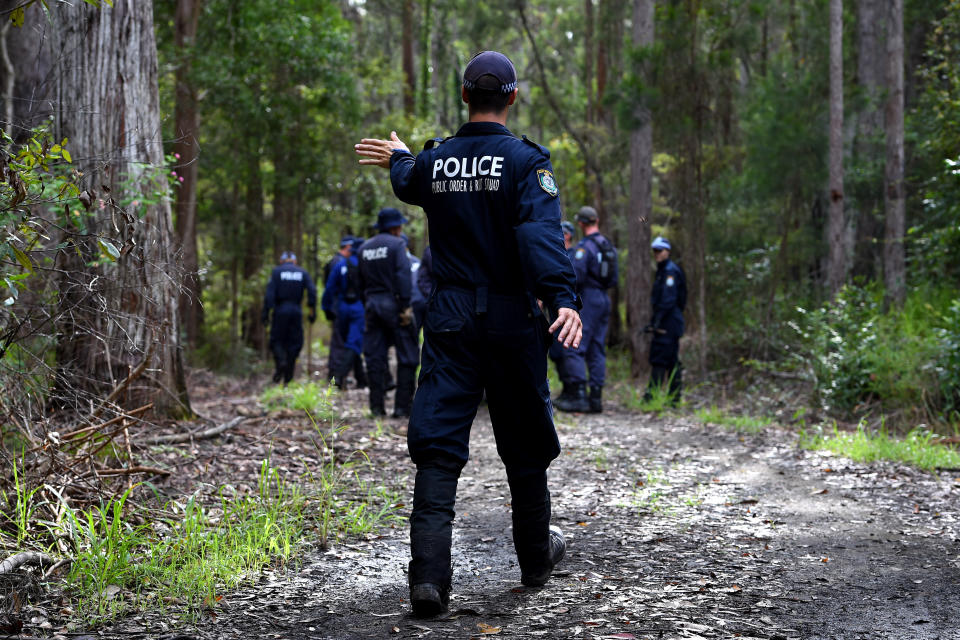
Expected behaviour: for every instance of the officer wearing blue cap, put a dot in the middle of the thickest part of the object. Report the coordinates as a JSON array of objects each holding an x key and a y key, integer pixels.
[
  {"x": 342, "y": 299},
  {"x": 669, "y": 298},
  {"x": 557, "y": 353},
  {"x": 595, "y": 261},
  {"x": 386, "y": 281},
  {"x": 285, "y": 298},
  {"x": 494, "y": 217}
]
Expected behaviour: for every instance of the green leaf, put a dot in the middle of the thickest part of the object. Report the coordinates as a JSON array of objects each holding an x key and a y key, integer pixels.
[
  {"x": 22, "y": 258},
  {"x": 108, "y": 250},
  {"x": 66, "y": 156},
  {"x": 17, "y": 17}
]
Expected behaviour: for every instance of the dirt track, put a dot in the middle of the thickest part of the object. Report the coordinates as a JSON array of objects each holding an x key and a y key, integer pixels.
[{"x": 674, "y": 529}]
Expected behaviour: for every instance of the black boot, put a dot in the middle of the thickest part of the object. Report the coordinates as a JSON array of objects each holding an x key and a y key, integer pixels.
[
  {"x": 658, "y": 375},
  {"x": 596, "y": 400},
  {"x": 403, "y": 398},
  {"x": 676, "y": 385},
  {"x": 376, "y": 395},
  {"x": 431, "y": 531},
  {"x": 577, "y": 401},
  {"x": 565, "y": 393},
  {"x": 342, "y": 368},
  {"x": 359, "y": 372}
]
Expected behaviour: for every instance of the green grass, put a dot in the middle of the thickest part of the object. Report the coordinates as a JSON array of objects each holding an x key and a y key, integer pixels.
[
  {"x": 918, "y": 448},
  {"x": 748, "y": 424},
  {"x": 317, "y": 399}
]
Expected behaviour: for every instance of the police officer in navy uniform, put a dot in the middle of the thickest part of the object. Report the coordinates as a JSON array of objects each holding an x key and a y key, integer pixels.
[
  {"x": 494, "y": 219},
  {"x": 669, "y": 298},
  {"x": 342, "y": 298},
  {"x": 285, "y": 298},
  {"x": 596, "y": 265},
  {"x": 386, "y": 281},
  {"x": 557, "y": 353}
]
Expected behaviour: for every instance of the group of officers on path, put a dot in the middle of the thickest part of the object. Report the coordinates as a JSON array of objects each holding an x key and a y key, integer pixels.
[
  {"x": 507, "y": 285},
  {"x": 376, "y": 296}
]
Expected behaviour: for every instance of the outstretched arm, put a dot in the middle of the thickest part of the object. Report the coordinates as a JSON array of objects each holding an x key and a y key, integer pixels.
[{"x": 377, "y": 152}]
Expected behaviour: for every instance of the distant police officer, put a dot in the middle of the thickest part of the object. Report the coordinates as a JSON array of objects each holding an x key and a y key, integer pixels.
[
  {"x": 557, "y": 353},
  {"x": 669, "y": 298},
  {"x": 595, "y": 261},
  {"x": 494, "y": 218},
  {"x": 386, "y": 281},
  {"x": 417, "y": 299},
  {"x": 342, "y": 298},
  {"x": 285, "y": 297}
]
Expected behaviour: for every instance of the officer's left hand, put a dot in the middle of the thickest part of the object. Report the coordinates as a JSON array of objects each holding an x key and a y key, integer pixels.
[
  {"x": 378, "y": 151},
  {"x": 571, "y": 329},
  {"x": 406, "y": 317},
  {"x": 312, "y": 316}
]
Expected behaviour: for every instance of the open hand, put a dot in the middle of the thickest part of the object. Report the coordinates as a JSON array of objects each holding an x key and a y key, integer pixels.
[
  {"x": 377, "y": 152},
  {"x": 571, "y": 329}
]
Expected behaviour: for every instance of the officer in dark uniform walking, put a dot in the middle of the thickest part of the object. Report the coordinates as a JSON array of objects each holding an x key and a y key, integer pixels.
[
  {"x": 494, "y": 218},
  {"x": 386, "y": 280},
  {"x": 347, "y": 244},
  {"x": 595, "y": 261},
  {"x": 557, "y": 353},
  {"x": 342, "y": 298},
  {"x": 669, "y": 298},
  {"x": 285, "y": 297}
]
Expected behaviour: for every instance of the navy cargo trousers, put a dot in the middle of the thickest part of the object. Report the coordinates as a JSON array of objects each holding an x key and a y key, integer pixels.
[{"x": 476, "y": 341}]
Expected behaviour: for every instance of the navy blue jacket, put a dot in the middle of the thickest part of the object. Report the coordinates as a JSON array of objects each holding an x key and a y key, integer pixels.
[
  {"x": 384, "y": 268},
  {"x": 586, "y": 262},
  {"x": 286, "y": 286},
  {"x": 425, "y": 274},
  {"x": 337, "y": 285},
  {"x": 493, "y": 210},
  {"x": 669, "y": 298}
]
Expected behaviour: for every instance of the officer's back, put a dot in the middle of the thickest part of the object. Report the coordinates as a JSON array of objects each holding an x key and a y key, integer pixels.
[
  {"x": 382, "y": 261},
  {"x": 287, "y": 284},
  {"x": 469, "y": 185}
]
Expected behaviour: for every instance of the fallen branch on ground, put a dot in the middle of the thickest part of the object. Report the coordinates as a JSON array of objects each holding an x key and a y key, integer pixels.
[
  {"x": 197, "y": 435},
  {"x": 18, "y": 560}
]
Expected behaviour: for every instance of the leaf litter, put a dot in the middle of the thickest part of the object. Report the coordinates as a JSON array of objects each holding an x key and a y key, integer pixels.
[{"x": 675, "y": 530}]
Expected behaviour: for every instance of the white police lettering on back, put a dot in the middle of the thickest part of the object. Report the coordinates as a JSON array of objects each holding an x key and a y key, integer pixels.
[
  {"x": 454, "y": 168},
  {"x": 375, "y": 254},
  {"x": 291, "y": 275}
]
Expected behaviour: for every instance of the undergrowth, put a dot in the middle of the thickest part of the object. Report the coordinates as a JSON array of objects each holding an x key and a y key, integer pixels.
[
  {"x": 748, "y": 424},
  {"x": 920, "y": 447}
]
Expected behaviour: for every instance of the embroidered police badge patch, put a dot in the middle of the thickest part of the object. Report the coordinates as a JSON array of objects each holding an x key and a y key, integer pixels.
[
  {"x": 547, "y": 183},
  {"x": 579, "y": 254},
  {"x": 669, "y": 281}
]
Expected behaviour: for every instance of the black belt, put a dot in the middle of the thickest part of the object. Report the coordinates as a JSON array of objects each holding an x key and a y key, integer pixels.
[{"x": 482, "y": 295}]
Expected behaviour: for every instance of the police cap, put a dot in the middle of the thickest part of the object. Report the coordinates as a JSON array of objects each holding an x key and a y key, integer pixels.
[
  {"x": 347, "y": 241},
  {"x": 587, "y": 214},
  {"x": 389, "y": 218},
  {"x": 490, "y": 71},
  {"x": 288, "y": 256},
  {"x": 567, "y": 227},
  {"x": 660, "y": 243}
]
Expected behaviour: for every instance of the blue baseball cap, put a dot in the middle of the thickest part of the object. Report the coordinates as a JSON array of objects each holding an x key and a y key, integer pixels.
[
  {"x": 347, "y": 241},
  {"x": 567, "y": 227},
  {"x": 660, "y": 243},
  {"x": 490, "y": 71},
  {"x": 288, "y": 255},
  {"x": 389, "y": 218}
]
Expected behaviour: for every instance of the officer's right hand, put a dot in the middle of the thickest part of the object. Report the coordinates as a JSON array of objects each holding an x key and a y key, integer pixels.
[
  {"x": 378, "y": 151},
  {"x": 406, "y": 317},
  {"x": 571, "y": 329}
]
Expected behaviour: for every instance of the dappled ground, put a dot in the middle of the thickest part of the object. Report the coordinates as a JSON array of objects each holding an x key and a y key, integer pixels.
[{"x": 674, "y": 530}]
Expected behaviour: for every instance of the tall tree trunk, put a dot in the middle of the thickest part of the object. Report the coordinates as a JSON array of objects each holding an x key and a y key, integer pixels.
[
  {"x": 254, "y": 243},
  {"x": 410, "y": 85},
  {"x": 186, "y": 146},
  {"x": 425, "y": 57},
  {"x": 109, "y": 109},
  {"x": 871, "y": 54},
  {"x": 641, "y": 195},
  {"x": 588, "y": 58},
  {"x": 894, "y": 269},
  {"x": 836, "y": 245}
]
